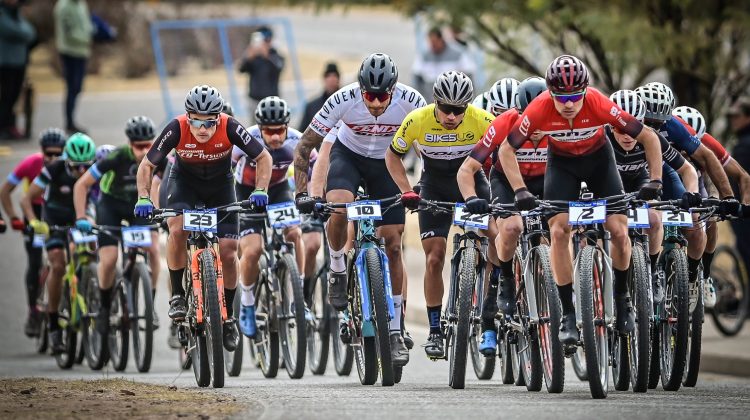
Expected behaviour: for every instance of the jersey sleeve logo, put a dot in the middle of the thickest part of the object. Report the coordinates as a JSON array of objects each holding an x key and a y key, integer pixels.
[
  {"x": 489, "y": 137},
  {"x": 525, "y": 124},
  {"x": 401, "y": 143}
]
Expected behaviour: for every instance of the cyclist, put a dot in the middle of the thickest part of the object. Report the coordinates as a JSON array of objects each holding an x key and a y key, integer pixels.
[
  {"x": 274, "y": 134},
  {"x": 56, "y": 182},
  {"x": 202, "y": 174},
  {"x": 51, "y": 142},
  {"x": 370, "y": 110},
  {"x": 660, "y": 101},
  {"x": 573, "y": 115},
  {"x": 532, "y": 161},
  {"x": 115, "y": 173},
  {"x": 500, "y": 98}
]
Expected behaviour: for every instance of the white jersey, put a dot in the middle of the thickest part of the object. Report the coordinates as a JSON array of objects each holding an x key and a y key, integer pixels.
[{"x": 359, "y": 131}]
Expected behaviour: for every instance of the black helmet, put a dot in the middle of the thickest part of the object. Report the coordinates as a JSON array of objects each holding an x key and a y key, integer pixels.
[
  {"x": 204, "y": 100},
  {"x": 140, "y": 128},
  {"x": 378, "y": 74},
  {"x": 272, "y": 110},
  {"x": 529, "y": 89},
  {"x": 227, "y": 109},
  {"x": 52, "y": 137},
  {"x": 567, "y": 74}
]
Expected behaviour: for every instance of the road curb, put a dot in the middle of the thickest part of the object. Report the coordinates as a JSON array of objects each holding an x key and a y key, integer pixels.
[{"x": 725, "y": 365}]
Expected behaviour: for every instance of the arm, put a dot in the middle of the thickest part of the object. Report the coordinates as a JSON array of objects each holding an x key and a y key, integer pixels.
[
  {"x": 144, "y": 177},
  {"x": 81, "y": 192},
  {"x": 397, "y": 170},
  {"x": 507, "y": 156},
  {"x": 739, "y": 175},
  {"x": 155, "y": 186},
  {"x": 704, "y": 157},
  {"x": 34, "y": 192},
  {"x": 651, "y": 145},
  {"x": 7, "y": 203},
  {"x": 263, "y": 164},
  {"x": 465, "y": 177},
  {"x": 309, "y": 141},
  {"x": 689, "y": 177},
  {"x": 320, "y": 170}
]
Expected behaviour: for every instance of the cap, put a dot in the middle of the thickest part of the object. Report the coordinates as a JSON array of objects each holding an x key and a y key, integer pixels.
[
  {"x": 740, "y": 106},
  {"x": 331, "y": 68}
]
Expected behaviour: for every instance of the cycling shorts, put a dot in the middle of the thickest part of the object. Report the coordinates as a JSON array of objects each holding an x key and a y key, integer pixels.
[
  {"x": 278, "y": 193},
  {"x": 439, "y": 224},
  {"x": 673, "y": 188},
  {"x": 185, "y": 191},
  {"x": 503, "y": 193},
  {"x": 57, "y": 238},
  {"x": 312, "y": 223},
  {"x": 111, "y": 211},
  {"x": 635, "y": 182},
  {"x": 598, "y": 170},
  {"x": 348, "y": 170}
]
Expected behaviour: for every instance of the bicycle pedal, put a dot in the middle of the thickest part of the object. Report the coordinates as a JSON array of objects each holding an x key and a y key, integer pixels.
[
  {"x": 344, "y": 334},
  {"x": 570, "y": 350},
  {"x": 182, "y": 336}
]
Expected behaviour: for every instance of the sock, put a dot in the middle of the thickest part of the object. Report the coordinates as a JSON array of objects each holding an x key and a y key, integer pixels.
[
  {"x": 693, "y": 269},
  {"x": 106, "y": 297},
  {"x": 654, "y": 259},
  {"x": 307, "y": 288},
  {"x": 337, "y": 260},
  {"x": 395, "y": 323},
  {"x": 229, "y": 301},
  {"x": 433, "y": 316},
  {"x": 708, "y": 258},
  {"x": 506, "y": 268},
  {"x": 175, "y": 277},
  {"x": 153, "y": 294},
  {"x": 621, "y": 281},
  {"x": 566, "y": 298},
  {"x": 247, "y": 295},
  {"x": 495, "y": 274},
  {"x": 54, "y": 321}
]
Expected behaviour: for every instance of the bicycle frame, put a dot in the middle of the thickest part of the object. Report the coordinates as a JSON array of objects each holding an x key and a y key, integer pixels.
[{"x": 82, "y": 254}]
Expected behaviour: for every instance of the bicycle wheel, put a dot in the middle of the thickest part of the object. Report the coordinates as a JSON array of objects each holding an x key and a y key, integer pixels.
[
  {"x": 80, "y": 318},
  {"x": 578, "y": 360},
  {"x": 529, "y": 354},
  {"x": 654, "y": 368},
  {"x": 318, "y": 335},
  {"x": 233, "y": 359},
  {"x": 142, "y": 316},
  {"x": 119, "y": 329},
  {"x": 458, "y": 342},
  {"x": 732, "y": 291},
  {"x": 381, "y": 315},
  {"x": 343, "y": 355},
  {"x": 96, "y": 347},
  {"x": 365, "y": 351},
  {"x": 673, "y": 329},
  {"x": 550, "y": 311},
  {"x": 695, "y": 335},
  {"x": 292, "y": 317},
  {"x": 266, "y": 343},
  {"x": 199, "y": 357},
  {"x": 506, "y": 363},
  {"x": 184, "y": 357},
  {"x": 640, "y": 338},
  {"x": 589, "y": 277},
  {"x": 484, "y": 366},
  {"x": 212, "y": 321},
  {"x": 66, "y": 359},
  {"x": 620, "y": 361},
  {"x": 42, "y": 341}
]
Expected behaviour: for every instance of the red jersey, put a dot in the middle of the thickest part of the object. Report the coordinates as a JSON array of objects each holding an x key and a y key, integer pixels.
[
  {"x": 26, "y": 171},
  {"x": 710, "y": 142},
  {"x": 581, "y": 136},
  {"x": 532, "y": 160}
]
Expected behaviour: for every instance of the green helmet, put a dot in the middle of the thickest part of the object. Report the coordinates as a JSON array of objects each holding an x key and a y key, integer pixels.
[{"x": 80, "y": 148}]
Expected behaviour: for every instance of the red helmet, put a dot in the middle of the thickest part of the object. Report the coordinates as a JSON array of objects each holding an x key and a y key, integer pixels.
[{"x": 567, "y": 74}]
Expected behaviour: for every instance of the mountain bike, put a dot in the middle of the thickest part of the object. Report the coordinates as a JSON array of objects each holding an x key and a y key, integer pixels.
[
  {"x": 324, "y": 319},
  {"x": 732, "y": 290},
  {"x": 365, "y": 323}
]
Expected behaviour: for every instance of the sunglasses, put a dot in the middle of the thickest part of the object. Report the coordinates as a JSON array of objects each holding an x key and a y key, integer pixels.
[
  {"x": 568, "y": 97},
  {"x": 370, "y": 96},
  {"x": 141, "y": 146},
  {"x": 203, "y": 123},
  {"x": 272, "y": 131},
  {"x": 52, "y": 154},
  {"x": 80, "y": 167},
  {"x": 451, "y": 109}
]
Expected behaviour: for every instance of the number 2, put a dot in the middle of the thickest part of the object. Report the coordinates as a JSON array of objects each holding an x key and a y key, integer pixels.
[{"x": 587, "y": 213}]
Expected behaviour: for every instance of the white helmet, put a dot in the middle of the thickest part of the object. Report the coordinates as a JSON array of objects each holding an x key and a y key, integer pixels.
[
  {"x": 630, "y": 102},
  {"x": 693, "y": 117},
  {"x": 481, "y": 101},
  {"x": 659, "y": 102},
  {"x": 502, "y": 94},
  {"x": 667, "y": 90},
  {"x": 453, "y": 88}
]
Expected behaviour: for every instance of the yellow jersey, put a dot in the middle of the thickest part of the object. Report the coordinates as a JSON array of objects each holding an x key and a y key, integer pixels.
[{"x": 442, "y": 150}]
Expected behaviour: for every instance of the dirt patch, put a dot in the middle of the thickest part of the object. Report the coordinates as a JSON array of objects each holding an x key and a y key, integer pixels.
[{"x": 28, "y": 398}]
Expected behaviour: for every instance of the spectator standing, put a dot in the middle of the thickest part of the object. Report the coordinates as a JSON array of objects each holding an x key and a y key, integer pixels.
[
  {"x": 16, "y": 38},
  {"x": 73, "y": 35},
  {"x": 331, "y": 83},
  {"x": 739, "y": 119},
  {"x": 263, "y": 64},
  {"x": 440, "y": 57}
]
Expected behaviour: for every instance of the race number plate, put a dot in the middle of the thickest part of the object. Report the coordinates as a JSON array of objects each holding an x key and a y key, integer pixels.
[
  {"x": 638, "y": 218},
  {"x": 200, "y": 220},
  {"x": 284, "y": 214},
  {"x": 80, "y": 238},
  {"x": 587, "y": 212},
  {"x": 136, "y": 236},
  {"x": 39, "y": 240},
  {"x": 364, "y": 210},
  {"x": 461, "y": 217},
  {"x": 676, "y": 218}
]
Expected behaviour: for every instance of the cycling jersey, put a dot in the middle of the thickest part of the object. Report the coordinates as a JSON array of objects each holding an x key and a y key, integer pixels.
[
  {"x": 678, "y": 136},
  {"x": 710, "y": 142},
  {"x": 57, "y": 183},
  {"x": 25, "y": 172},
  {"x": 360, "y": 132},
  {"x": 283, "y": 157},
  {"x": 117, "y": 174},
  {"x": 631, "y": 163},
  {"x": 443, "y": 151},
  {"x": 203, "y": 160},
  {"x": 584, "y": 135},
  {"x": 532, "y": 159}
]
